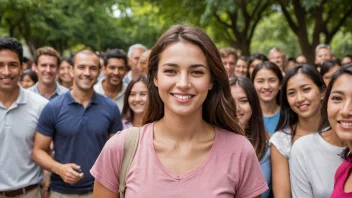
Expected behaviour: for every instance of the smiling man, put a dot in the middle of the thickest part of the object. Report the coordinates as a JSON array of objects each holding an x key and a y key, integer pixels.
[
  {"x": 114, "y": 68},
  {"x": 46, "y": 65},
  {"x": 19, "y": 113},
  {"x": 79, "y": 122}
]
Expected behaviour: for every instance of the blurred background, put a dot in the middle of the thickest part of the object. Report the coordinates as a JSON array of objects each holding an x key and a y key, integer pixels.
[{"x": 251, "y": 26}]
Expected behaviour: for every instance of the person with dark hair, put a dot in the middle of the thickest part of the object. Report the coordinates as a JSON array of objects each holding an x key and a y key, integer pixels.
[
  {"x": 327, "y": 69},
  {"x": 254, "y": 60},
  {"x": 291, "y": 63},
  {"x": 28, "y": 78},
  {"x": 250, "y": 115},
  {"x": 114, "y": 68},
  {"x": 314, "y": 158},
  {"x": 346, "y": 59},
  {"x": 191, "y": 129},
  {"x": 301, "y": 93},
  {"x": 19, "y": 112},
  {"x": 338, "y": 104},
  {"x": 135, "y": 101},
  {"x": 267, "y": 79},
  {"x": 27, "y": 63},
  {"x": 79, "y": 122},
  {"x": 65, "y": 76},
  {"x": 46, "y": 65}
]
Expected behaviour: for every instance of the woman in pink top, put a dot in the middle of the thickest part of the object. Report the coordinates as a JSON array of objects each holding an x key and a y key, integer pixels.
[
  {"x": 338, "y": 101},
  {"x": 135, "y": 100},
  {"x": 193, "y": 145}
]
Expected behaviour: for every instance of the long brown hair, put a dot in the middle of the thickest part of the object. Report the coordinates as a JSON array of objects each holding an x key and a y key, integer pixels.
[
  {"x": 219, "y": 107},
  {"x": 127, "y": 112},
  {"x": 255, "y": 130}
]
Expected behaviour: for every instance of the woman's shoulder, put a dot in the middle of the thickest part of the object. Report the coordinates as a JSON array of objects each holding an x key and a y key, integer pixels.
[
  {"x": 282, "y": 141},
  {"x": 232, "y": 141},
  {"x": 117, "y": 141}
]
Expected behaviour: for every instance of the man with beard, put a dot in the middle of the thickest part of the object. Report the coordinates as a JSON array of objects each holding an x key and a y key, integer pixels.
[
  {"x": 79, "y": 122},
  {"x": 114, "y": 68}
]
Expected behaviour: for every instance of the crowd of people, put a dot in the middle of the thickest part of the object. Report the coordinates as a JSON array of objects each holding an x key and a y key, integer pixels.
[{"x": 211, "y": 122}]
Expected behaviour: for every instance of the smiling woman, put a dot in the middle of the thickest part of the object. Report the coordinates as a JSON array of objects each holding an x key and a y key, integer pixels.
[
  {"x": 191, "y": 129},
  {"x": 135, "y": 101}
]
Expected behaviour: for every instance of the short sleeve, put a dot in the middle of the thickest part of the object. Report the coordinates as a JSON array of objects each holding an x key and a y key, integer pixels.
[
  {"x": 116, "y": 124},
  {"x": 300, "y": 186},
  {"x": 46, "y": 123},
  {"x": 282, "y": 142},
  {"x": 106, "y": 169},
  {"x": 252, "y": 182}
]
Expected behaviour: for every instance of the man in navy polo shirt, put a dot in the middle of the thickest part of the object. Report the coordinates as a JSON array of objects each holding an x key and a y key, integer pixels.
[{"x": 79, "y": 122}]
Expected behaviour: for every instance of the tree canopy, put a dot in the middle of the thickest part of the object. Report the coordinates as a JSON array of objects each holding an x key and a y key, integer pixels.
[{"x": 296, "y": 26}]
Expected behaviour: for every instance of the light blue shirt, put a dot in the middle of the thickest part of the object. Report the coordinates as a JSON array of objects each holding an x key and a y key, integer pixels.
[
  {"x": 58, "y": 91},
  {"x": 265, "y": 165},
  {"x": 18, "y": 125},
  {"x": 271, "y": 122}
]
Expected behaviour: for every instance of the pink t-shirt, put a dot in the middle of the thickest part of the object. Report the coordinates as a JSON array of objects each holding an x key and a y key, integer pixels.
[
  {"x": 340, "y": 178},
  {"x": 230, "y": 170}
]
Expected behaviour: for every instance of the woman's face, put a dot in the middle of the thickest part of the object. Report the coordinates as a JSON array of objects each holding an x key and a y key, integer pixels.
[
  {"x": 303, "y": 96},
  {"x": 240, "y": 68},
  {"x": 27, "y": 82},
  {"x": 252, "y": 66},
  {"x": 183, "y": 79},
  {"x": 340, "y": 108},
  {"x": 267, "y": 85},
  {"x": 65, "y": 72},
  {"x": 138, "y": 98},
  {"x": 243, "y": 108},
  {"x": 327, "y": 75}
]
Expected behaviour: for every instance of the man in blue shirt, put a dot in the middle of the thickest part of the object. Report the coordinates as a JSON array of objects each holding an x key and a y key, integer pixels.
[{"x": 79, "y": 122}]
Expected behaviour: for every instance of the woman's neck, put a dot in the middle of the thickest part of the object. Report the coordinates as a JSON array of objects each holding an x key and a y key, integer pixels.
[
  {"x": 181, "y": 128},
  {"x": 269, "y": 108},
  {"x": 137, "y": 120},
  {"x": 308, "y": 125},
  {"x": 332, "y": 138}
]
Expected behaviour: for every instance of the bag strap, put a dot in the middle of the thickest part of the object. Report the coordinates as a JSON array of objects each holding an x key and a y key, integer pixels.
[{"x": 130, "y": 149}]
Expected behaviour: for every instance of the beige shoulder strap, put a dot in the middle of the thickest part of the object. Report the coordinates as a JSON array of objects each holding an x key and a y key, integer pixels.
[{"x": 130, "y": 149}]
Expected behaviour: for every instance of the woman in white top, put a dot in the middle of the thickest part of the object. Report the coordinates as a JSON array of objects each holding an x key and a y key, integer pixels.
[{"x": 302, "y": 90}]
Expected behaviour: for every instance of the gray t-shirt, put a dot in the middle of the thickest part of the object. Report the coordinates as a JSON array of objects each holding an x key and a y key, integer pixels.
[
  {"x": 313, "y": 163},
  {"x": 118, "y": 99},
  {"x": 282, "y": 141}
]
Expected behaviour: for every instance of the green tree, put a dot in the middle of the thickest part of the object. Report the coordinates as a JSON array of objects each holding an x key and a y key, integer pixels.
[{"x": 315, "y": 21}]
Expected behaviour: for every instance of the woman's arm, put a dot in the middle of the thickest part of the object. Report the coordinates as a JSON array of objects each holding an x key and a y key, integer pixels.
[
  {"x": 100, "y": 191},
  {"x": 280, "y": 174}
]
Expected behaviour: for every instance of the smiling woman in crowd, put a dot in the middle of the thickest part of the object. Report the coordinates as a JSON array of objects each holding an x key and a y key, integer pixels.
[
  {"x": 302, "y": 90},
  {"x": 135, "y": 101},
  {"x": 192, "y": 144}
]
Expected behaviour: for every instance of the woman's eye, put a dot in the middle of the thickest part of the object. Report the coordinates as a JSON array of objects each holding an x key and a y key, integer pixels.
[
  {"x": 198, "y": 72},
  {"x": 171, "y": 71},
  {"x": 291, "y": 93},
  {"x": 336, "y": 98},
  {"x": 306, "y": 89}
]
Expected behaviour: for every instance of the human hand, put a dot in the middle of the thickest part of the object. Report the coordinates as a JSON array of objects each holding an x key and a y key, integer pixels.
[{"x": 69, "y": 174}]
